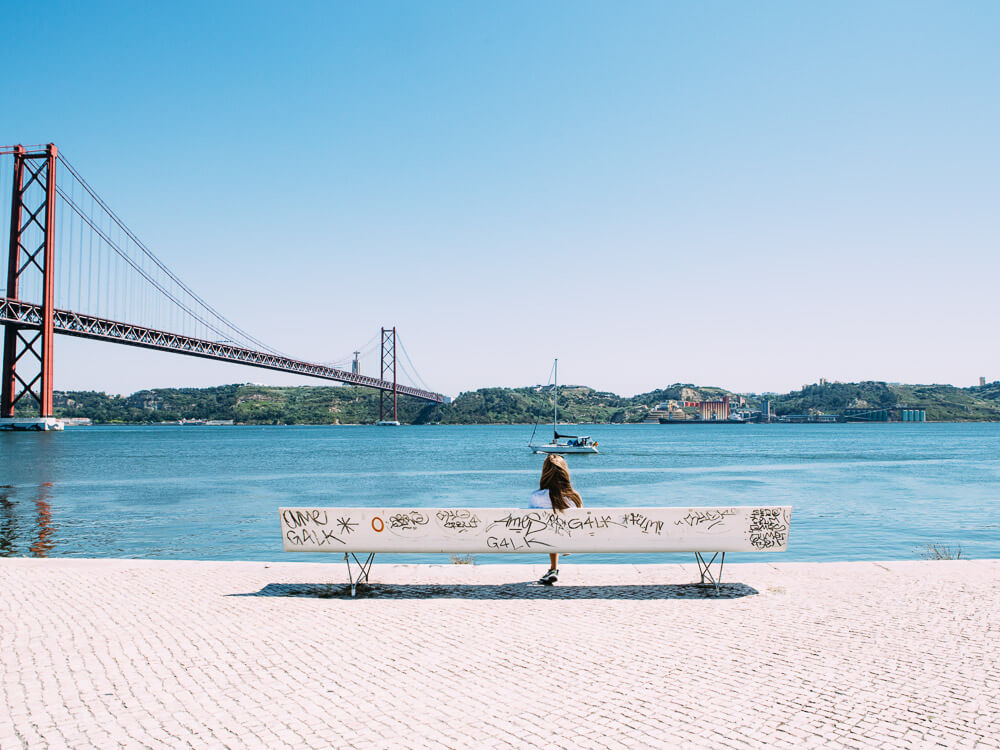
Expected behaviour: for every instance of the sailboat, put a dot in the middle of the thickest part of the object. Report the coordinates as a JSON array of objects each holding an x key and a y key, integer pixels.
[{"x": 571, "y": 443}]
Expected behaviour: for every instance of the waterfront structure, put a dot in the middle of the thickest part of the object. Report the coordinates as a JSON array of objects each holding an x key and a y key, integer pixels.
[
  {"x": 711, "y": 411},
  {"x": 894, "y": 414},
  {"x": 151, "y": 308},
  {"x": 388, "y": 366},
  {"x": 30, "y": 424}
]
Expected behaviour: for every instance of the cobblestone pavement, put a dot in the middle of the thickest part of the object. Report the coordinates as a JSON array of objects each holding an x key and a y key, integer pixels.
[{"x": 108, "y": 653}]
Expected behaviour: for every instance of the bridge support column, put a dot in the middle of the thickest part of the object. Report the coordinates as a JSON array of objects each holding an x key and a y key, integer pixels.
[
  {"x": 388, "y": 363},
  {"x": 31, "y": 258}
]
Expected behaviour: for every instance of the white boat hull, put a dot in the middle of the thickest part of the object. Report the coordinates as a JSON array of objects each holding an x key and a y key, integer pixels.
[
  {"x": 579, "y": 444},
  {"x": 563, "y": 449}
]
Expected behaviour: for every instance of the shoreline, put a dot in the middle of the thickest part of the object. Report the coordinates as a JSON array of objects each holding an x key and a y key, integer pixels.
[
  {"x": 519, "y": 560},
  {"x": 529, "y": 424},
  {"x": 327, "y": 562}
]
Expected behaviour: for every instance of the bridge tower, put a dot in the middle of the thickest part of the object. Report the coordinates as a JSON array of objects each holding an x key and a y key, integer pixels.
[
  {"x": 32, "y": 253},
  {"x": 388, "y": 364}
]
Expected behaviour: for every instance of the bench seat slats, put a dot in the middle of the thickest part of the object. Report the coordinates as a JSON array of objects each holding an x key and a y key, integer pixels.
[{"x": 519, "y": 530}]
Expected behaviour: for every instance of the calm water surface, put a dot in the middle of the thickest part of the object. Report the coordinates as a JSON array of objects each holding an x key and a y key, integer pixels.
[{"x": 212, "y": 493}]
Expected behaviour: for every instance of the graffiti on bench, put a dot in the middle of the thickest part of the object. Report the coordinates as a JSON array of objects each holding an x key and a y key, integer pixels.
[
  {"x": 768, "y": 528},
  {"x": 527, "y": 530}
]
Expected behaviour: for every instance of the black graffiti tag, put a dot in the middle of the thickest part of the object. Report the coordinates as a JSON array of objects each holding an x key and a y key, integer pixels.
[
  {"x": 707, "y": 518},
  {"x": 462, "y": 519},
  {"x": 527, "y": 525},
  {"x": 642, "y": 522},
  {"x": 768, "y": 528},
  {"x": 346, "y": 525},
  {"x": 408, "y": 521},
  {"x": 296, "y": 518},
  {"x": 319, "y": 537}
]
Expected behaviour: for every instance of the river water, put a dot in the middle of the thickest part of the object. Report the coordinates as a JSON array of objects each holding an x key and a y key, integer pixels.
[{"x": 858, "y": 491}]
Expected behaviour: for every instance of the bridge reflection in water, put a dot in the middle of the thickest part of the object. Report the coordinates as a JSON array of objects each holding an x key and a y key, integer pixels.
[{"x": 22, "y": 533}]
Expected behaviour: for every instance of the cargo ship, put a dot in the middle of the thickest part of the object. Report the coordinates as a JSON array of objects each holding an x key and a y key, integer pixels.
[
  {"x": 737, "y": 418},
  {"x": 715, "y": 411}
]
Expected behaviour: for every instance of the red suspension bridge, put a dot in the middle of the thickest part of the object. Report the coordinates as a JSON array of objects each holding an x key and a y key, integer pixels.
[{"x": 75, "y": 268}]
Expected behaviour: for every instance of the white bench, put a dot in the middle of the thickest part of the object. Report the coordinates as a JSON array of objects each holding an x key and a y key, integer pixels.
[{"x": 703, "y": 531}]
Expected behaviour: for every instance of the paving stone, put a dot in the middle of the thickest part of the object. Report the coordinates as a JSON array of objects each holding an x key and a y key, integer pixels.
[{"x": 132, "y": 653}]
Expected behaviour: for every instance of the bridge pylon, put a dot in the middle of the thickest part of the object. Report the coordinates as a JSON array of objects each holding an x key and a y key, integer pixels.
[
  {"x": 388, "y": 365},
  {"x": 144, "y": 304},
  {"x": 31, "y": 253}
]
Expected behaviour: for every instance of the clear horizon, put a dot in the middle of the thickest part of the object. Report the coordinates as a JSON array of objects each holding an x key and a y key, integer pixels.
[{"x": 749, "y": 198}]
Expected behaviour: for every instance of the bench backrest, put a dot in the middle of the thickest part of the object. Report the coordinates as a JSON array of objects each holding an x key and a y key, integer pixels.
[{"x": 462, "y": 530}]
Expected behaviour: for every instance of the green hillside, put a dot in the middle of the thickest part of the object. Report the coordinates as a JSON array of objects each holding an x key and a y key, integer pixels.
[
  {"x": 943, "y": 403},
  {"x": 257, "y": 404}
]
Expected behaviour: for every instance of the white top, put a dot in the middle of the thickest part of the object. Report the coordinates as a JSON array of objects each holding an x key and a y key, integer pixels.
[{"x": 540, "y": 499}]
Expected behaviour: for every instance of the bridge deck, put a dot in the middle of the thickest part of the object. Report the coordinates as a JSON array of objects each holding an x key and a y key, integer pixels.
[{"x": 29, "y": 315}]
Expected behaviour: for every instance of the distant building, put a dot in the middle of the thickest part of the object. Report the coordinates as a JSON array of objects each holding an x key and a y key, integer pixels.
[
  {"x": 711, "y": 410},
  {"x": 891, "y": 414},
  {"x": 982, "y": 380},
  {"x": 822, "y": 381},
  {"x": 714, "y": 410},
  {"x": 765, "y": 410}
]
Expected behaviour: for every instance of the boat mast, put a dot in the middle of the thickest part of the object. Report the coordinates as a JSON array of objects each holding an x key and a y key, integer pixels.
[{"x": 555, "y": 403}]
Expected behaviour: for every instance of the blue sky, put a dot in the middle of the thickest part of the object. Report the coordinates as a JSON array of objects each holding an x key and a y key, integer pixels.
[{"x": 746, "y": 195}]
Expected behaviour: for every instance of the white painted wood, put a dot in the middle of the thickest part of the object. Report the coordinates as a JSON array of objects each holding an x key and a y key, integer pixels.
[{"x": 463, "y": 530}]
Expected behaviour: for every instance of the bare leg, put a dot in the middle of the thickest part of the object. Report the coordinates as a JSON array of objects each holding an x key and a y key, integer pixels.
[{"x": 554, "y": 561}]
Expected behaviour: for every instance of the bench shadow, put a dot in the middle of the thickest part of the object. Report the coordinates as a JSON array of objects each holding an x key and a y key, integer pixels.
[{"x": 520, "y": 590}]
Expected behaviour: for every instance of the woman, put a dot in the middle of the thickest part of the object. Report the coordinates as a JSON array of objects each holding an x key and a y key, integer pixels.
[{"x": 556, "y": 492}]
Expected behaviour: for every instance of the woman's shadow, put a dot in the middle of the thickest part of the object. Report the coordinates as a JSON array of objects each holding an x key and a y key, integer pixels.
[{"x": 519, "y": 590}]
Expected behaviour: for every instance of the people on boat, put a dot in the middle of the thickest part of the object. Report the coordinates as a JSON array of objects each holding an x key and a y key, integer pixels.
[{"x": 554, "y": 491}]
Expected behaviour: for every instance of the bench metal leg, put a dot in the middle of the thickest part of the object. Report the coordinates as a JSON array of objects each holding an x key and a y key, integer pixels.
[
  {"x": 364, "y": 568},
  {"x": 705, "y": 568}
]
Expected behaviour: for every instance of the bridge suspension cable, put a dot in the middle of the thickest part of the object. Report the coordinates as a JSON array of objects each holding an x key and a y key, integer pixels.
[
  {"x": 363, "y": 351},
  {"x": 415, "y": 378},
  {"x": 159, "y": 276},
  {"x": 75, "y": 268}
]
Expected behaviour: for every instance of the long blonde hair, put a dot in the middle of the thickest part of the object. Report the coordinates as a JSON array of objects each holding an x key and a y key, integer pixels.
[{"x": 555, "y": 479}]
